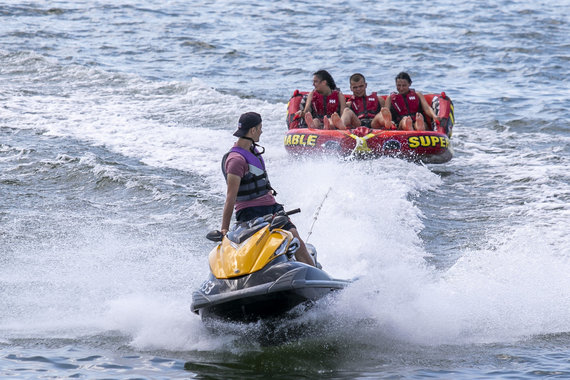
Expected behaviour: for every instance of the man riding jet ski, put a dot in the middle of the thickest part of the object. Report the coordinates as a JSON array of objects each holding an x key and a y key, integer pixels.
[
  {"x": 248, "y": 188},
  {"x": 261, "y": 267},
  {"x": 254, "y": 275}
]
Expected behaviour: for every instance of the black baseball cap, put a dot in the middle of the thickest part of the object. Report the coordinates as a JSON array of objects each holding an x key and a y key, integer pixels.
[{"x": 247, "y": 121}]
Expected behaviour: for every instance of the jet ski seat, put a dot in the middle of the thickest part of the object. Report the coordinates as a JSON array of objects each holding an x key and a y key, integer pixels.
[{"x": 240, "y": 232}]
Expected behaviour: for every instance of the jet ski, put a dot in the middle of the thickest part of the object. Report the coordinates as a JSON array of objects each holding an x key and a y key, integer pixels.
[{"x": 254, "y": 274}]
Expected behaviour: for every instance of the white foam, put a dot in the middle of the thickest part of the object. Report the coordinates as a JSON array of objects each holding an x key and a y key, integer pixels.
[
  {"x": 367, "y": 227},
  {"x": 517, "y": 290},
  {"x": 157, "y": 322}
]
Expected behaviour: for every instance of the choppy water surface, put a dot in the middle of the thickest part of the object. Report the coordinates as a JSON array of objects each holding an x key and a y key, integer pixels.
[{"x": 114, "y": 116}]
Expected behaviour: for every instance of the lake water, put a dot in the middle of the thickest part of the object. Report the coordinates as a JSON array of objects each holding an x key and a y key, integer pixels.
[{"x": 114, "y": 116}]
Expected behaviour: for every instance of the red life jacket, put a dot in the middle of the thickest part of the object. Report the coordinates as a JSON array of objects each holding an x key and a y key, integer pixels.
[
  {"x": 407, "y": 105},
  {"x": 365, "y": 107},
  {"x": 319, "y": 101}
]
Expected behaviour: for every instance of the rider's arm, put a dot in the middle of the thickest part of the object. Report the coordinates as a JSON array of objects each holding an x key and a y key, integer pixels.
[
  {"x": 388, "y": 102},
  {"x": 342, "y": 102},
  {"x": 381, "y": 101},
  {"x": 426, "y": 107},
  {"x": 233, "y": 182}
]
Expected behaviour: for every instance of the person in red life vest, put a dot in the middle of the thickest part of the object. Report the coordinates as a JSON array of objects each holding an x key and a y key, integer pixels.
[
  {"x": 362, "y": 109},
  {"x": 248, "y": 188},
  {"x": 322, "y": 102},
  {"x": 407, "y": 105}
]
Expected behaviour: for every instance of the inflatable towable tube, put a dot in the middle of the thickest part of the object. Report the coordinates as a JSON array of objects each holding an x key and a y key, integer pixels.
[{"x": 430, "y": 146}]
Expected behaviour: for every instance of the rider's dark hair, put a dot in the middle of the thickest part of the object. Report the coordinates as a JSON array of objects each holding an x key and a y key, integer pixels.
[
  {"x": 324, "y": 75},
  {"x": 404, "y": 75},
  {"x": 356, "y": 77}
]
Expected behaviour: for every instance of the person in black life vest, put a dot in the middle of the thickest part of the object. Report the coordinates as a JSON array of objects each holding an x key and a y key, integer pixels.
[
  {"x": 407, "y": 105},
  {"x": 362, "y": 109},
  {"x": 248, "y": 187},
  {"x": 322, "y": 102}
]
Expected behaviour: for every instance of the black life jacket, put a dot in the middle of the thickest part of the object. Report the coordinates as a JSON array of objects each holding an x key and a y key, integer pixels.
[{"x": 255, "y": 182}]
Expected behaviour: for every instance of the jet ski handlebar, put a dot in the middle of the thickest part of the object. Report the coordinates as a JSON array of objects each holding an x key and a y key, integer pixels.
[{"x": 217, "y": 236}]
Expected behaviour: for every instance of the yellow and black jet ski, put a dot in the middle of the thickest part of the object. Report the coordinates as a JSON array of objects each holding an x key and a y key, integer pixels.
[{"x": 254, "y": 274}]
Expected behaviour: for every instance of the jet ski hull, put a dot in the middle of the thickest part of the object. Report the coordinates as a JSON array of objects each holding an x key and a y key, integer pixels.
[{"x": 270, "y": 292}]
